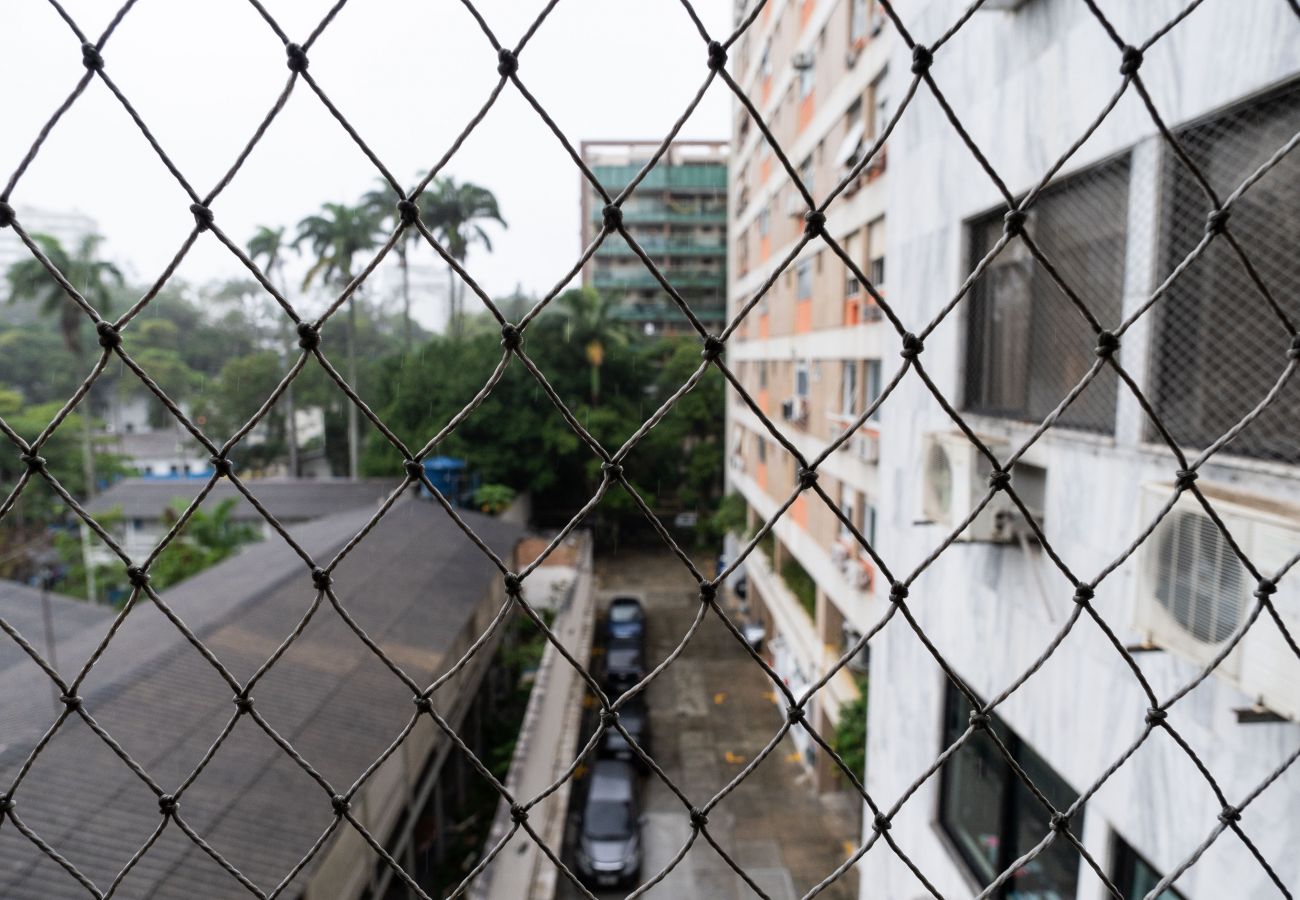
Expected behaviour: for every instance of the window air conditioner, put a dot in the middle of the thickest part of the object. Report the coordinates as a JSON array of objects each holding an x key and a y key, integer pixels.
[
  {"x": 1194, "y": 593},
  {"x": 954, "y": 479},
  {"x": 866, "y": 445},
  {"x": 860, "y": 661},
  {"x": 795, "y": 409},
  {"x": 802, "y": 61}
]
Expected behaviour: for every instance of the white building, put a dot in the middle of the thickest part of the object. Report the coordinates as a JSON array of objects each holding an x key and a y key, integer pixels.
[{"x": 1118, "y": 219}]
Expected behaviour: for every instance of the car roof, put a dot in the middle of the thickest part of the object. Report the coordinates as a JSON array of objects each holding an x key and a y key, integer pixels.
[
  {"x": 624, "y": 655},
  {"x": 624, "y": 599},
  {"x": 611, "y": 779}
]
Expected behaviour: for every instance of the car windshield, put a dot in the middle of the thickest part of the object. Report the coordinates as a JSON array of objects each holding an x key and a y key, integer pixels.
[
  {"x": 624, "y": 612},
  {"x": 624, "y": 658},
  {"x": 608, "y": 820}
]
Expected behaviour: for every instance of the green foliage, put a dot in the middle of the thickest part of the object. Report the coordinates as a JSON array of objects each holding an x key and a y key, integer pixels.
[
  {"x": 95, "y": 280},
  {"x": 730, "y": 517},
  {"x": 801, "y": 584},
  {"x": 517, "y": 438},
  {"x": 494, "y": 498},
  {"x": 850, "y": 738}
]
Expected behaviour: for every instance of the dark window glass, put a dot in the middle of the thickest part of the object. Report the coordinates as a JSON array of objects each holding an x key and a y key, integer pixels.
[
  {"x": 1219, "y": 347},
  {"x": 1027, "y": 343},
  {"x": 1134, "y": 876},
  {"x": 993, "y": 818}
]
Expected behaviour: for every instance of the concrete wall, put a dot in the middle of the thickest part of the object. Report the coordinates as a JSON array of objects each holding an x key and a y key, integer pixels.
[{"x": 1026, "y": 84}]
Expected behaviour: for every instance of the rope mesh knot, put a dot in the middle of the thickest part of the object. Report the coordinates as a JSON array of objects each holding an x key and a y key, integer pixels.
[
  {"x": 807, "y": 478},
  {"x": 308, "y": 336},
  {"x": 1266, "y": 587},
  {"x": 202, "y": 216},
  {"x": 167, "y": 805},
  {"x": 1083, "y": 594},
  {"x": 414, "y": 469},
  {"x": 407, "y": 211},
  {"x": 1000, "y": 480},
  {"x": 1107, "y": 344},
  {"x": 1013, "y": 223},
  {"x": 513, "y": 585},
  {"x": 518, "y": 814},
  {"x": 1185, "y": 478},
  {"x": 1217, "y": 221},
  {"x": 91, "y": 58},
  {"x": 699, "y": 818},
  {"x": 1293, "y": 349},
  {"x": 1230, "y": 815},
  {"x": 1155, "y": 715},
  {"x": 138, "y": 577},
  {"x": 108, "y": 335},
  {"x": 978, "y": 720},
  {"x": 795, "y": 714},
  {"x": 612, "y": 471},
  {"x": 507, "y": 63},
  {"x": 1130, "y": 61},
  {"x": 222, "y": 465},
  {"x": 423, "y": 704},
  {"x": 296, "y": 58},
  {"x": 321, "y": 579},
  {"x": 612, "y": 217},
  {"x": 912, "y": 346},
  {"x": 243, "y": 703},
  {"x": 7, "y": 804},
  {"x": 511, "y": 338},
  {"x": 814, "y": 222},
  {"x": 922, "y": 59},
  {"x": 881, "y": 822},
  {"x": 1059, "y": 822},
  {"x": 6, "y": 214},
  {"x": 340, "y": 805},
  {"x": 71, "y": 701},
  {"x": 608, "y": 717},
  {"x": 717, "y": 55},
  {"x": 897, "y": 592},
  {"x": 713, "y": 347},
  {"x": 35, "y": 464}
]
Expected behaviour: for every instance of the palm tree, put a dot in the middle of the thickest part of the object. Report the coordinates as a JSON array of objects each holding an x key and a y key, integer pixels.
[
  {"x": 455, "y": 213},
  {"x": 335, "y": 236},
  {"x": 268, "y": 244},
  {"x": 382, "y": 204},
  {"x": 93, "y": 277},
  {"x": 96, "y": 280},
  {"x": 589, "y": 320}
]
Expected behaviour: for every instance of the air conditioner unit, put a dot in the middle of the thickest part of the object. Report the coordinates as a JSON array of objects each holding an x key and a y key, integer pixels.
[
  {"x": 802, "y": 61},
  {"x": 1193, "y": 593},
  {"x": 866, "y": 446},
  {"x": 954, "y": 479},
  {"x": 795, "y": 409}
]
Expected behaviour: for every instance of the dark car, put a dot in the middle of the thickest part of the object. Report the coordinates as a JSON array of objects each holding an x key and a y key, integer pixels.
[
  {"x": 624, "y": 666},
  {"x": 626, "y": 620},
  {"x": 609, "y": 841},
  {"x": 635, "y": 719}
]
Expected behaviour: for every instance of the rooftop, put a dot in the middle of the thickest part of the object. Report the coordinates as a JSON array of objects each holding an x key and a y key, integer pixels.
[
  {"x": 415, "y": 591},
  {"x": 288, "y": 499}
]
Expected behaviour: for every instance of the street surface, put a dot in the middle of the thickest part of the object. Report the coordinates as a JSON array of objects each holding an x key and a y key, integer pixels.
[{"x": 711, "y": 712}]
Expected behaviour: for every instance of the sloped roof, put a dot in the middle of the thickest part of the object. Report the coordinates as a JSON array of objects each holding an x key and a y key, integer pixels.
[
  {"x": 22, "y": 608},
  {"x": 288, "y": 499},
  {"x": 414, "y": 584}
]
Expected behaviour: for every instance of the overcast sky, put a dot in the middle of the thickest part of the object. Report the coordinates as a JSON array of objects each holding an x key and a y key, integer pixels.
[{"x": 408, "y": 74}]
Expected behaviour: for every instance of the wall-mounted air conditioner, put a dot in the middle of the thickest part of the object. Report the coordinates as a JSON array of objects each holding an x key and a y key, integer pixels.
[
  {"x": 802, "y": 61},
  {"x": 795, "y": 409},
  {"x": 865, "y": 445},
  {"x": 1193, "y": 593},
  {"x": 860, "y": 661},
  {"x": 954, "y": 478}
]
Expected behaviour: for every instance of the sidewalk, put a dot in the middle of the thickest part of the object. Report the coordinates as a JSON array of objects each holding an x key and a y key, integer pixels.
[{"x": 548, "y": 742}]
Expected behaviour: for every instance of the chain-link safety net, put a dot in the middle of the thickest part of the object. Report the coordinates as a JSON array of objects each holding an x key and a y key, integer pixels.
[{"x": 1203, "y": 157}]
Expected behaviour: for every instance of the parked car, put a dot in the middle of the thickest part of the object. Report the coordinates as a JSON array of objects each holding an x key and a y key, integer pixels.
[
  {"x": 635, "y": 719},
  {"x": 626, "y": 620},
  {"x": 624, "y": 665},
  {"x": 609, "y": 841}
]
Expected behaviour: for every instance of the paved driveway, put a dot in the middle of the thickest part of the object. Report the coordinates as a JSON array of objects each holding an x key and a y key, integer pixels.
[{"x": 710, "y": 713}]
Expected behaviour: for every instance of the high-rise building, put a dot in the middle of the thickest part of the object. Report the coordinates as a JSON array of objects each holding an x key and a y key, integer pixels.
[
  {"x": 809, "y": 351},
  {"x": 677, "y": 215},
  {"x": 1121, "y": 223}
]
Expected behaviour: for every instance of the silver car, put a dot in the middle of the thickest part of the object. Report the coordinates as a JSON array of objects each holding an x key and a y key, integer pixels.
[{"x": 609, "y": 841}]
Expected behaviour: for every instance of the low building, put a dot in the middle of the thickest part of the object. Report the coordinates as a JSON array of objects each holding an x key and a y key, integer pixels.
[
  {"x": 147, "y": 506},
  {"x": 165, "y": 454},
  {"x": 677, "y": 215},
  {"x": 422, "y": 592}
]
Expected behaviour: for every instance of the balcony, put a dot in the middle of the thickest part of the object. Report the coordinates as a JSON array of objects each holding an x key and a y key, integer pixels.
[
  {"x": 632, "y": 281},
  {"x": 662, "y": 247}
]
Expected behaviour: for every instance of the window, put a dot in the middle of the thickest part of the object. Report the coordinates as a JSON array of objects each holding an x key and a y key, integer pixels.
[
  {"x": 807, "y": 78},
  {"x": 992, "y": 818},
  {"x": 762, "y": 375},
  {"x": 765, "y": 62},
  {"x": 849, "y": 387},
  {"x": 1026, "y": 343},
  {"x": 762, "y": 449},
  {"x": 1133, "y": 875},
  {"x": 868, "y": 527},
  {"x": 1215, "y": 337},
  {"x": 852, "y": 249},
  {"x": 879, "y": 105},
  {"x": 801, "y": 380},
  {"x": 874, "y": 385},
  {"x": 876, "y": 247},
  {"x": 804, "y": 279},
  {"x": 764, "y": 220},
  {"x": 857, "y": 21}
]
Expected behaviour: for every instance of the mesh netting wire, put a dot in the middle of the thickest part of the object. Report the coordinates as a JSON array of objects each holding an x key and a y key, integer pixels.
[{"x": 114, "y": 340}]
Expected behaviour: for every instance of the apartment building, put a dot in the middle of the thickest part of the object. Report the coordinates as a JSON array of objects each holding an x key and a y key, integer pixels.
[
  {"x": 810, "y": 351},
  {"x": 677, "y": 215},
  {"x": 1117, "y": 221}
]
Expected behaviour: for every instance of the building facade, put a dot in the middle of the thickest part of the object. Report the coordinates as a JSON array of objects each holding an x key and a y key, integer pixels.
[
  {"x": 1117, "y": 220},
  {"x": 678, "y": 217},
  {"x": 809, "y": 352}
]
